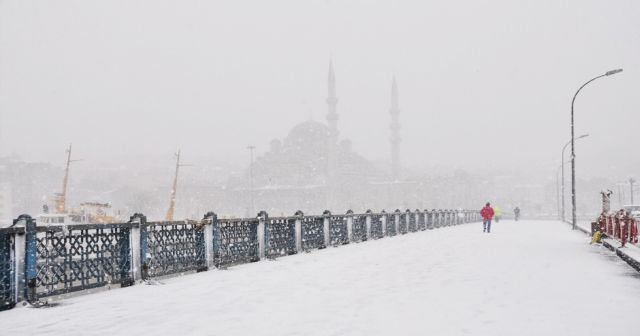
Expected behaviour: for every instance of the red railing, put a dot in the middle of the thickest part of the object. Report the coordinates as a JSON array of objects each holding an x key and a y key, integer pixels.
[{"x": 620, "y": 226}]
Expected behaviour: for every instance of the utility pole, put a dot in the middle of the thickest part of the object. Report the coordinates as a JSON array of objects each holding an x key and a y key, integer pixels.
[
  {"x": 620, "y": 195},
  {"x": 251, "y": 148},
  {"x": 631, "y": 182}
]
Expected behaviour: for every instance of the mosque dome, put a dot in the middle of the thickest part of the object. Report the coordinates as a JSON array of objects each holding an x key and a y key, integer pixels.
[{"x": 309, "y": 136}]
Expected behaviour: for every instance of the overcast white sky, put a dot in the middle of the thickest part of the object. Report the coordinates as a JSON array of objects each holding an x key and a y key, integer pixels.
[{"x": 482, "y": 83}]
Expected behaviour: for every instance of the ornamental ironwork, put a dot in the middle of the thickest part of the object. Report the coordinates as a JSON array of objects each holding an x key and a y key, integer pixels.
[
  {"x": 280, "y": 236},
  {"x": 172, "y": 247},
  {"x": 235, "y": 241},
  {"x": 430, "y": 219},
  {"x": 359, "y": 228},
  {"x": 79, "y": 257},
  {"x": 312, "y": 234},
  {"x": 7, "y": 270},
  {"x": 338, "y": 234},
  {"x": 421, "y": 220},
  {"x": 402, "y": 224},
  {"x": 390, "y": 224},
  {"x": 410, "y": 219},
  {"x": 376, "y": 226}
]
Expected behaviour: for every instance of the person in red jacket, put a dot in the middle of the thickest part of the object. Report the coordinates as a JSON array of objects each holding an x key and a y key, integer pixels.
[{"x": 487, "y": 214}]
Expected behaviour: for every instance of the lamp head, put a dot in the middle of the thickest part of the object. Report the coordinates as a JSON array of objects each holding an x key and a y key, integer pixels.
[{"x": 612, "y": 72}]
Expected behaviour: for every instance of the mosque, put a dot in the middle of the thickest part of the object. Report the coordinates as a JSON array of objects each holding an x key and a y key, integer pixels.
[{"x": 312, "y": 169}]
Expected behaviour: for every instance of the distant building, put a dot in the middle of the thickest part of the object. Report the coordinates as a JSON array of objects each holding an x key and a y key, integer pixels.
[
  {"x": 6, "y": 201},
  {"x": 312, "y": 169}
]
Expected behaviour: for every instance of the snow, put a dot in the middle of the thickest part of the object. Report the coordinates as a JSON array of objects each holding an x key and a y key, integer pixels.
[{"x": 524, "y": 278}]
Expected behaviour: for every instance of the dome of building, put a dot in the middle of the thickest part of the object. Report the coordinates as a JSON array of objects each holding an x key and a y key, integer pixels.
[{"x": 308, "y": 136}]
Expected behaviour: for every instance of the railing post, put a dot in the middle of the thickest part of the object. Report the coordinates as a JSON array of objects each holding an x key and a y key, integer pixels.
[
  {"x": 327, "y": 227},
  {"x": 125, "y": 263},
  {"x": 138, "y": 246},
  {"x": 383, "y": 219},
  {"x": 216, "y": 242},
  {"x": 349, "y": 218},
  {"x": 263, "y": 217},
  {"x": 20, "y": 245},
  {"x": 31, "y": 258},
  {"x": 299, "y": 216},
  {"x": 436, "y": 218},
  {"x": 368, "y": 223},
  {"x": 207, "y": 228},
  {"x": 209, "y": 218},
  {"x": 407, "y": 220},
  {"x": 427, "y": 218}
]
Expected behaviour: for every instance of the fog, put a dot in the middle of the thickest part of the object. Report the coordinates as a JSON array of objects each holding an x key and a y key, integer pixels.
[{"x": 484, "y": 88}]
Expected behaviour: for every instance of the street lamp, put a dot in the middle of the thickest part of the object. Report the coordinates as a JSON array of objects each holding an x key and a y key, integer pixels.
[
  {"x": 560, "y": 212},
  {"x": 562, "y": 165},
  {"x": 558, "y": 191},
  {"x": 573, "y": 151}
]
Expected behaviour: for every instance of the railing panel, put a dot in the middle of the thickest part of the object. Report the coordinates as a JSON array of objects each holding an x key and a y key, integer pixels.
[
  {"x": 72, "y": 258},
  {"x": 412, "y": 226},
  {"x": 172, "y": 247},
  {"x": 280, "y": 236},
  {"x": 312, "y": 233},
  {"x": 390, "y": 221},
  {"x": 359, "y": 228},
  {"x": 338, "y": 234},
  {"x": 376, "y": 227},
  {"x": 439, "y": 219},
  {"x": 421, "y": 220},
  {"x": 7, "y": 270},
  {"x": 235, "y": 241},
  {"x": 403, "y": 224}
]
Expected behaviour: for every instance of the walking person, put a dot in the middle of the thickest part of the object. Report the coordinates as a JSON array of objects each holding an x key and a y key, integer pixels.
[
  {"x": 516, "y": 212},
  {"x": 487, "y": 214}
]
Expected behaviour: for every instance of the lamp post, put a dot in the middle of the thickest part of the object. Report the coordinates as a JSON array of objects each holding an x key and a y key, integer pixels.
[
  {"x": 573, "y": 151},
  {"x": 562, "y": 165},
  {"x": 251, "y": 148},
  {"x": 558, "y": 191}
]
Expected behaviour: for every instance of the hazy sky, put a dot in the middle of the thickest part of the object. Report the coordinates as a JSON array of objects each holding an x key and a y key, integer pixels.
[{"x": 483, "y": 84}]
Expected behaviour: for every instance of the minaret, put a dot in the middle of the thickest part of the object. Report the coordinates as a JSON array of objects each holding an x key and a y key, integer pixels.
[
  {"x": 332, "y": 141},
  {"x": 332, "y": 102},
  {"x": 395, "y": 131}
]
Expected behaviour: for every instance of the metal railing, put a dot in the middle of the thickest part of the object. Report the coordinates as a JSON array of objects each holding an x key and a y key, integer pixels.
[
  {"x": 619, "y": 226},
  {"x": 42, "y": 261}
]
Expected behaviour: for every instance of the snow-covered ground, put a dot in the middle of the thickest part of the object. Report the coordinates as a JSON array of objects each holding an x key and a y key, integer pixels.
[{"x": 525, "y": 278}]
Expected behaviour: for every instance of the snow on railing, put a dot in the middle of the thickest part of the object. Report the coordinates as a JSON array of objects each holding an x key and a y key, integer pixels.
[{"x": 42, "y": 261}]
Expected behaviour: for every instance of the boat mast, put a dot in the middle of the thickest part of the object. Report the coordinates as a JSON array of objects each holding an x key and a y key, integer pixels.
[
  {"x": 172, "y": 204},
  {"x": 61, "y": 199}
]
